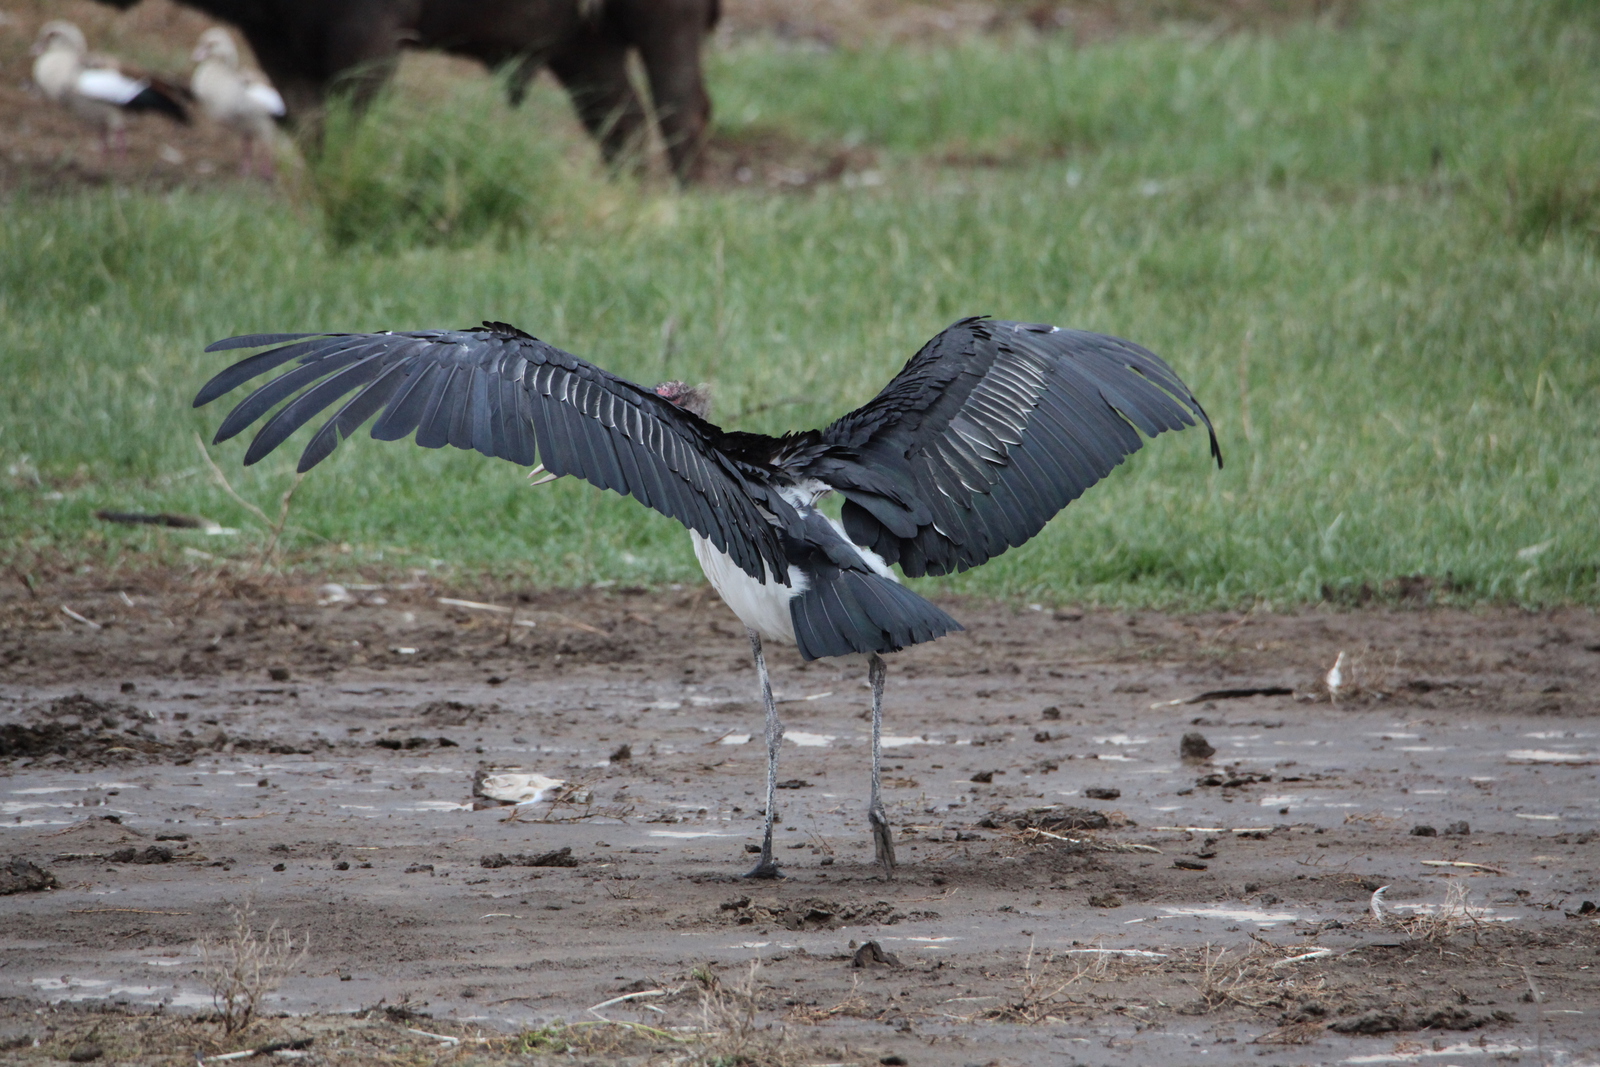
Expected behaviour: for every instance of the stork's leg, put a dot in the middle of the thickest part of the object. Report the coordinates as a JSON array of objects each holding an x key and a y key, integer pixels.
[
  {"x": 882, "y": 836},
  {"x": 767, "y": 867}
]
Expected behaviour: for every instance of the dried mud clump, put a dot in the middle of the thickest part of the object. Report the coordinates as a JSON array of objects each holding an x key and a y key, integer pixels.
[
  {"x": 872, "y": 954},
  {"x": 83, "y": 729},
  {"x": 453, "y": 712},
  {"x": 152, "y": 854},
  {"x": 79, "y": 727},
  {"x": 21, "y": 876},
  {"x": 1393, "y": 1019},
  {"x": 1055, "y": 820},
  {"x": 815, "y": 914},
  {"x": 561, "y": 857}
]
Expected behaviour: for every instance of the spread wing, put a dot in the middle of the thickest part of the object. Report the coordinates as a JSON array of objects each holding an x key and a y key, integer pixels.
[
  {"x": 111, "y": 86},
  {"x": 988, "y": 432},
  {"x": 511, "y": 396}
]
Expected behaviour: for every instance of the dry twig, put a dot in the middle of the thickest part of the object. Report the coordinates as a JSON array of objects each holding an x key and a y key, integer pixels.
[
  {"x": 244, "y": 967},
  {"x": 274, "y": 527},
  {"x": 730, "y": 1022},
  {"x": 1041, "y": 990}
]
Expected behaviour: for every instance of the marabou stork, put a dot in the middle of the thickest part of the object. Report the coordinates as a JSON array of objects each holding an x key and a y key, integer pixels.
[{"x": 990, "y": 429}]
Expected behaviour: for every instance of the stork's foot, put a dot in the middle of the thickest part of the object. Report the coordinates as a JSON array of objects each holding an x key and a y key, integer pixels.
[
  {"x": 882, "y": 841},
  {"x": 766, "y": 866}
]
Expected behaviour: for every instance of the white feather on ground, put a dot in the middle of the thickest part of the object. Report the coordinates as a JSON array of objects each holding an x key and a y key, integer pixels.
[{"x": 518, "y": 788}]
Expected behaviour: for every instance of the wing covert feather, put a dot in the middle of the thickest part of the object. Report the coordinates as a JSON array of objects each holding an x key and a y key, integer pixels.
[
  {"x": 988, "y": 432},
  {"x": 507, "y": 395}
]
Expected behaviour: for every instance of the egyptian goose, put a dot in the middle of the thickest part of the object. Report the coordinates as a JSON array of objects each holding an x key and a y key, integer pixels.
[
  {"x": 241, "y": 100},
  {"x": 94, "y": 88}
]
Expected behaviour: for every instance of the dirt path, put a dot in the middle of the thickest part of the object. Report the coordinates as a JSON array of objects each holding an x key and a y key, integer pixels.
[{"x": 319, "y": 755}]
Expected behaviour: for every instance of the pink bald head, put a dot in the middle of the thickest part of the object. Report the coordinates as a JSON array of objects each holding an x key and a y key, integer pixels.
[{"x": 694, "y": 399}]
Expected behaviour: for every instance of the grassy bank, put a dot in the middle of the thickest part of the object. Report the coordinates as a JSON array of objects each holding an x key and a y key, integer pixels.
[{"x": 1370, "y": 249}]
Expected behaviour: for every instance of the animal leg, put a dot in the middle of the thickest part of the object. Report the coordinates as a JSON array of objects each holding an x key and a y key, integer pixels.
[
  {"x": 594, "y": 71},
  {"x": 767, "y": 867},
  {"x": 882, "y": 836},
  {"x": 669, "y": 36},
  {"x": 521, "y": 76}
]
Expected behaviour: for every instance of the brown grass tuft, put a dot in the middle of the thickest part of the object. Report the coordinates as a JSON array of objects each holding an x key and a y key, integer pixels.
[{"x": 244, "y": 967}]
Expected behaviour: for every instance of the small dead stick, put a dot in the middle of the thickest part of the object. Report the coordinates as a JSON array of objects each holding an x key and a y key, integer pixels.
[
  {"x": 669, "y": 336},
  {"x": 122, "y": 911},
  {"x": 264, "y": 1050},
  {"x": 628, "y": 996},
  {"x": 1244, "y": 385},
  {"x": 26, "y": 579},
  {"x": 1538, "y": 1013},
  {"x": 576, "y": 625},
  {"x": 227, "y": 487},
  {"x": 284, "y": 503},
  {"x": 1092, "y": 843}
]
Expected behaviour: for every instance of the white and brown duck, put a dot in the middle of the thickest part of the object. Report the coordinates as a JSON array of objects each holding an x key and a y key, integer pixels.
[
  {"x": 95, "y": 88},
  {"x": 240, "y": 99}
]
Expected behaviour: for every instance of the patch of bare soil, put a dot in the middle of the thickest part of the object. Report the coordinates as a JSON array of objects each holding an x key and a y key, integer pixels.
[
  {"x": 849, "y": 23},
  {"x": 771, "y": 159},
  {"x": 1406, "y": 863}
]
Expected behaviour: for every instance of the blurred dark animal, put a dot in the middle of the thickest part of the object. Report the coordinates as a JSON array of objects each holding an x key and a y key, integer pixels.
[
  {"x": 310, "y": 48},
  {"x": 585, "y": 43}
]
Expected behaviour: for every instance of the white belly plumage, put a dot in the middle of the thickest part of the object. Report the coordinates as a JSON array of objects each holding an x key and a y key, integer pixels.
[{"x": 762, "y": 606}]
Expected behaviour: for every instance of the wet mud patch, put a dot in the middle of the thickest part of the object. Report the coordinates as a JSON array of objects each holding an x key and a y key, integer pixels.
[{"x": 1222, "y": 914}]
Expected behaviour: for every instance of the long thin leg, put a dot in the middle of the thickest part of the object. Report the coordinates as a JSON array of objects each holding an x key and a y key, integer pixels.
[
  {"x": 767, "y": 867},
  {"x": 882, "y": 836}
]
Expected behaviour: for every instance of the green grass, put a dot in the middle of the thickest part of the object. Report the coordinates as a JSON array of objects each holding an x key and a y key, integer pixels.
[
  {"x": 449, "y": 183},
  {"x": 1371, "y": 251}
]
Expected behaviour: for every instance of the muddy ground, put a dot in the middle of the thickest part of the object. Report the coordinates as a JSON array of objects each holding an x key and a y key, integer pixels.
[{"x": 173, "y": 745}]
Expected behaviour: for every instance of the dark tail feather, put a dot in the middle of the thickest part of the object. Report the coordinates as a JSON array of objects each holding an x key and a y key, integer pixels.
[
  {"x": 844, "y": 611},
  {"x": 170, "y": 100}
]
